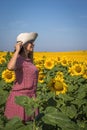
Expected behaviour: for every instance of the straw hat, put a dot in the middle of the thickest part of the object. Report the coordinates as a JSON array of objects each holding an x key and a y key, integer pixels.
[{"x": 27, "y": 37}]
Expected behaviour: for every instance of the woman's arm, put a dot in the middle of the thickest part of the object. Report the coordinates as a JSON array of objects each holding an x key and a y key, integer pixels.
[{"x": 12, "y": 63}]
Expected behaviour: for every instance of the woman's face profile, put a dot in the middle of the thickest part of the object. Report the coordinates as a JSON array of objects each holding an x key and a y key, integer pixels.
[{"x": 30, "y": 47}]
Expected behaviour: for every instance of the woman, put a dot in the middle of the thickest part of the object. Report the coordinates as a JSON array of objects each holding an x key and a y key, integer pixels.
[{"x": 26, "y": 75}]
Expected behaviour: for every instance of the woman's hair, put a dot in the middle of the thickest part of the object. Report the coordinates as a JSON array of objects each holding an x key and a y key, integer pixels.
[{"x": 23, "y": 52}]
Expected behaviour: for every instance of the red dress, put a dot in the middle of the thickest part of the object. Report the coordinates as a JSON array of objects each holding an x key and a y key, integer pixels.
[{"x": 25, "y": 84}]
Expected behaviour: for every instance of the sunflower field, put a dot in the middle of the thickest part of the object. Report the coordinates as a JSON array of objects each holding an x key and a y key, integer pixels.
[{"x": 61, "y": 92}]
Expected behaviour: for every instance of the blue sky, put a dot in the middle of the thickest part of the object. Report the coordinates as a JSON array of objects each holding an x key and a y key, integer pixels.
[{"x": 61, "y": 24}]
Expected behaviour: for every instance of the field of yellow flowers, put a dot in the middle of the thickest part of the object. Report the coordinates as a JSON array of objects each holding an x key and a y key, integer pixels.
[{"x": 61, "y": 93}]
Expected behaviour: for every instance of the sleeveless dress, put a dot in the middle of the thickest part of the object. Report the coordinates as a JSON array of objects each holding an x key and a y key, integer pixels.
[{"x": 25, "y": 84}]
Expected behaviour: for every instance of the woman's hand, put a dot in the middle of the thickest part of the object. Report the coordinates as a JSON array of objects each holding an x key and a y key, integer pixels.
[{"x": 18, "y": 46}]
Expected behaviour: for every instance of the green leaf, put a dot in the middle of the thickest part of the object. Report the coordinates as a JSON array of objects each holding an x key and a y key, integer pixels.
[
  {"x": 70, "y": 111},
  {"x": 82, "y": 125},
  {"x": 3, "y": 94},
  {"x": 81, "y": 95},
  {"x": 26, "y": 127},
  {"x": 29, "y": 111},
  {"x": 29, "y": 104},
  {"x": 66, "y": 97},
  {"x": 79, "y": 102},
  {"x": 72, "y": 88},
  {"x": 85, "y": 109},
  {"x": 2, "y": 83},
  {"x": 53, "y": 117},
  {"x": 13, "y": 124}
]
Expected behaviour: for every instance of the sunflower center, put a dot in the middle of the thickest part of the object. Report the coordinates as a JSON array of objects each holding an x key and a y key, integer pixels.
[
  {"x": 8, "y": 75},
  {"x": 58, "y": 86},
  {"x": 49, "y": 64},
  {"x": 41, "y": 77},
  {"x": 78, "y": 69},
  {"x": 64, "y": 62},
  {"x": 58, "y": 58},
  {"x": 2, "y": 60}
]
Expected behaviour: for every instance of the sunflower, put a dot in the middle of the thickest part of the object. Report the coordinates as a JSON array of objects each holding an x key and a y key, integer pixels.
[
  {"x": 59, "y": 75},
  {"x": 49, "y": 63},
  {"x": 41, "y": 77},
  {"x": 60, "y": 87},
  {"x": 64, "y": 61},
  {"x": 70, "y": 70},
  {"x": 57, "y": 86},
  {"x": 58, "y": 60},
  {"x": 85, "y": 75},
  {"x": 39, "y": 67},
  {"x": 3, "y": 54},
  {"x": 8, "y": 76},
  {"x": 2, "y": 60},
  {"x": 38, "y": 60},
  {"x": 77, "y": 69}
]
